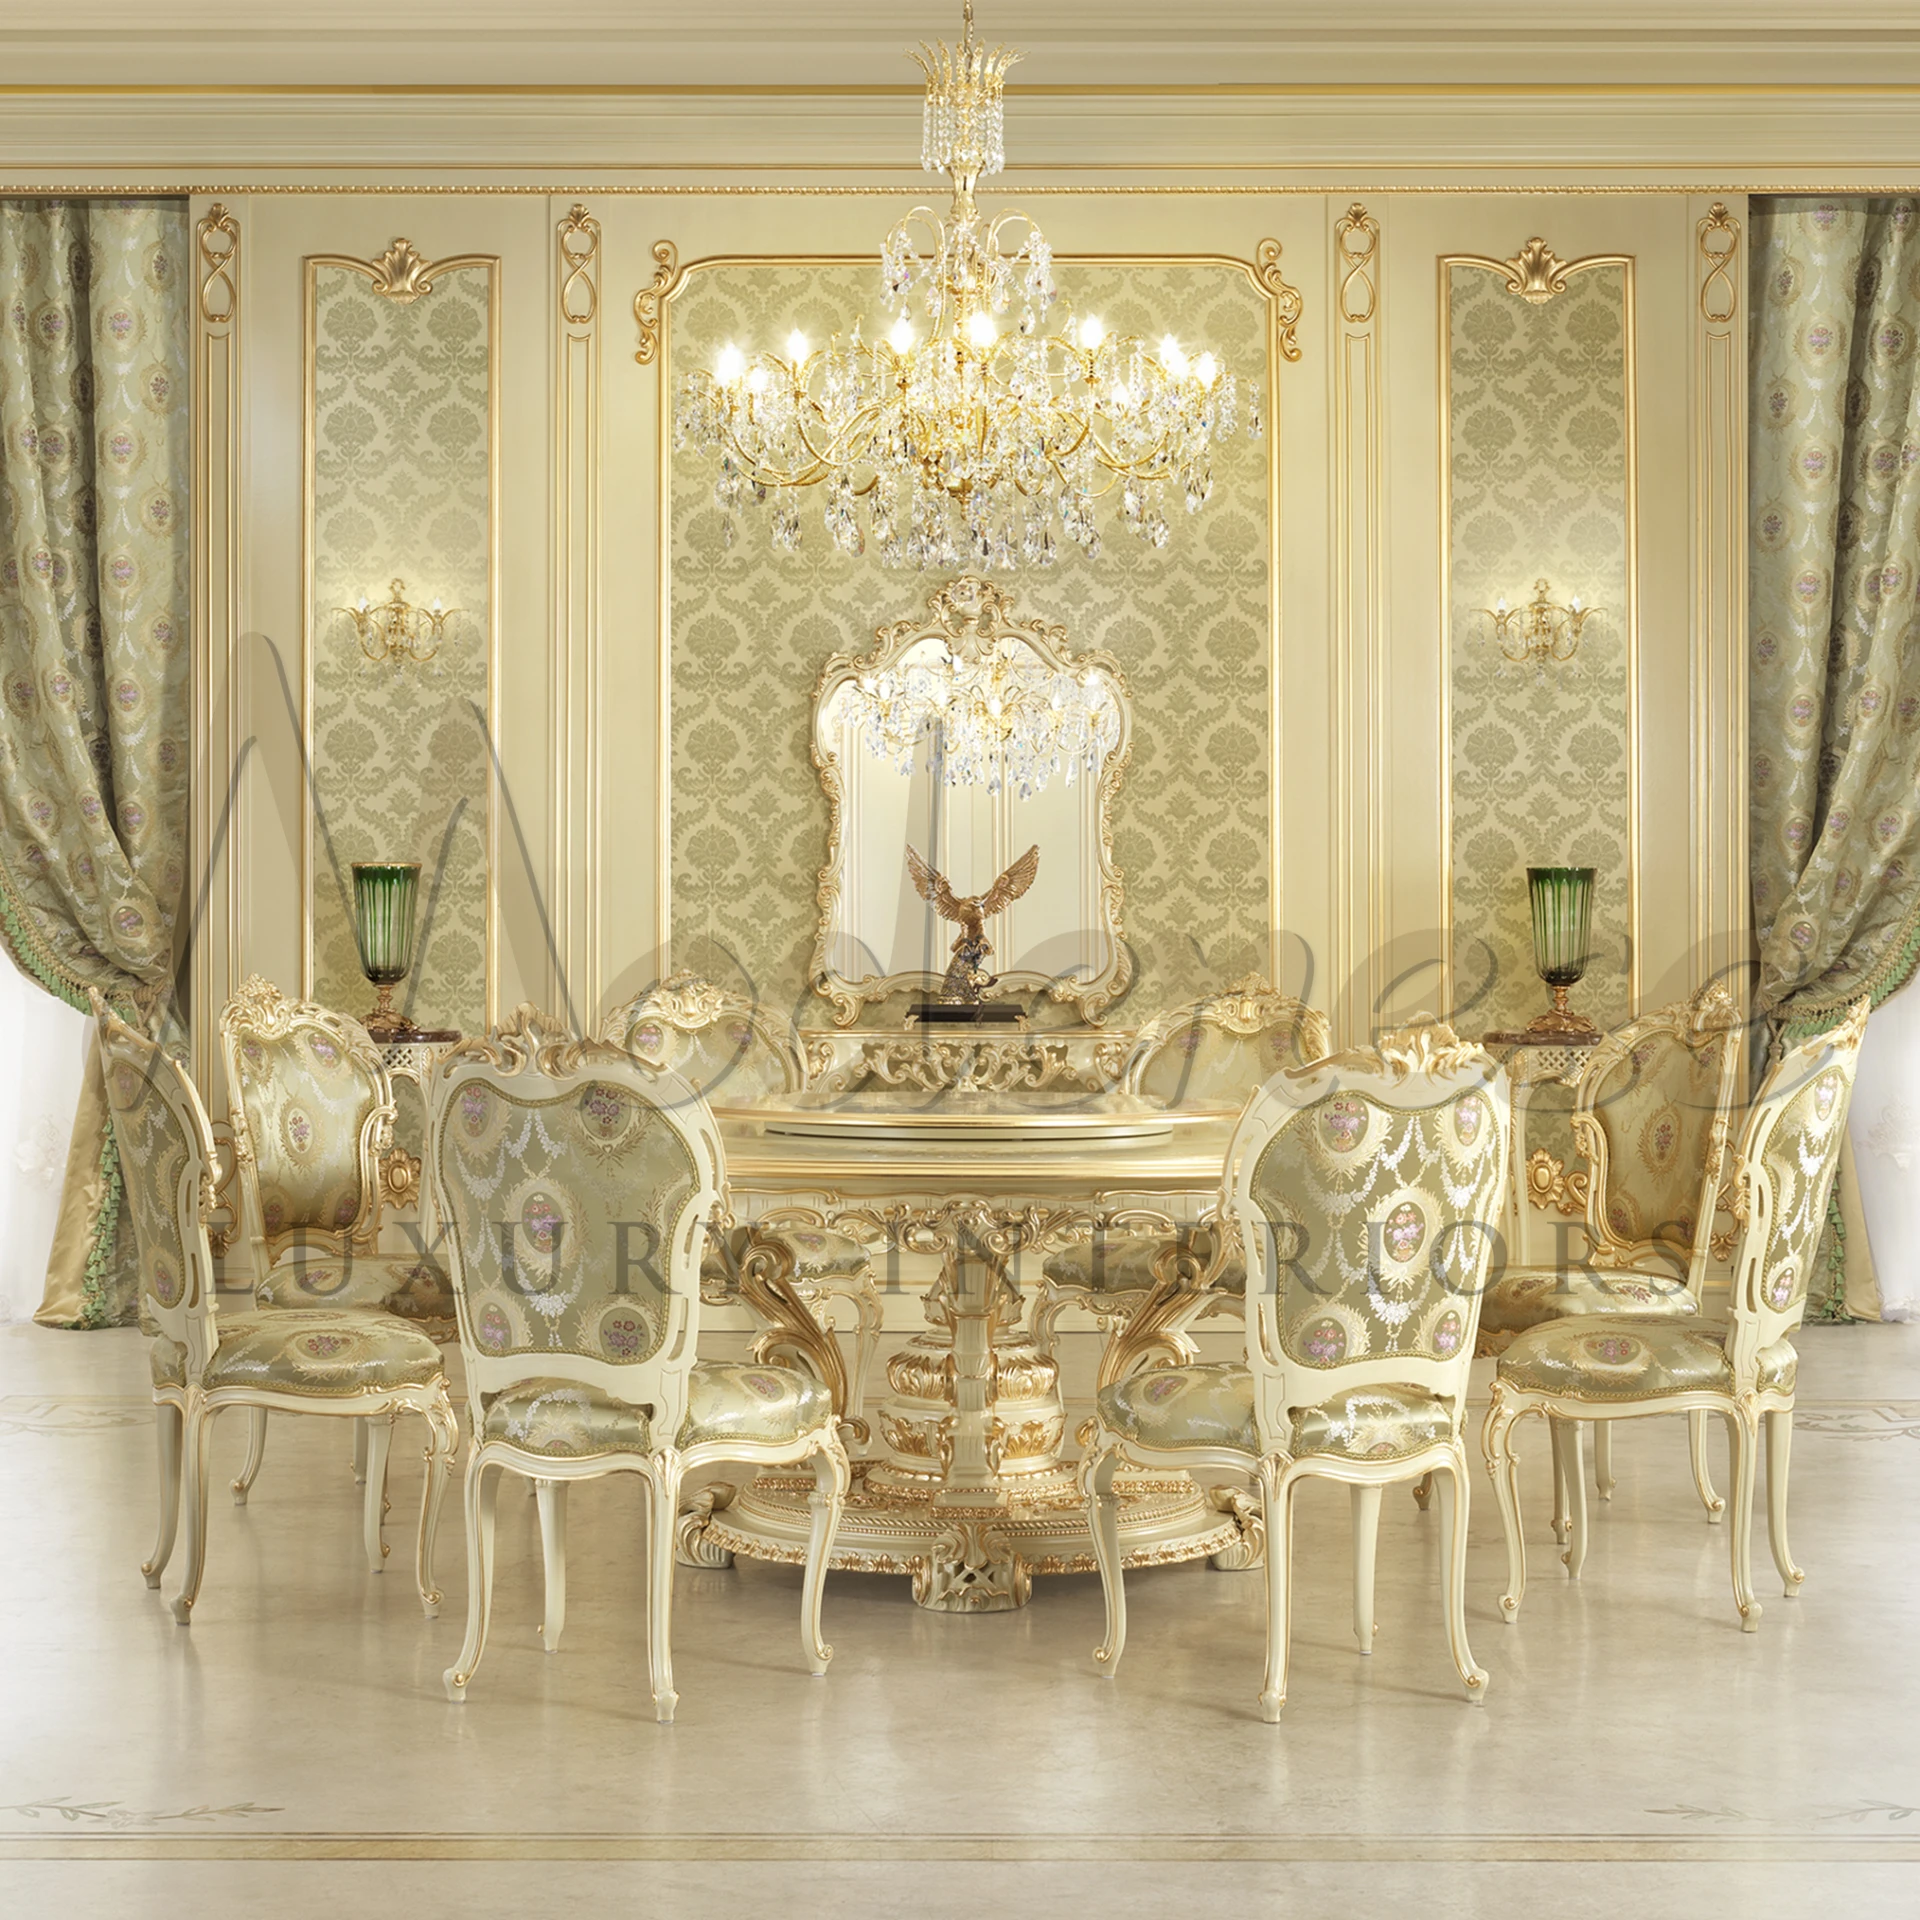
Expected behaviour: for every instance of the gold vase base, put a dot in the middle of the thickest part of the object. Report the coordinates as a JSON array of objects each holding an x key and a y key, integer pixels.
[{"x": 961, "y": 1559}]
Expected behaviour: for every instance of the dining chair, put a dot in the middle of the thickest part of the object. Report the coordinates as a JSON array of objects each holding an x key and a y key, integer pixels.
[
  {"x": 1367, "y": 1190},
  {"x": 1652, "y": 1113},
  {"x": 733, "y": 1051},
  {"x": 356, "y": 1363},
  {"x": 1607, "y": 1368},
  {"x": 311, "y": 1108},
  {"x": 1212, "y": 1052},
  {"x": 577, "y": 1187}
]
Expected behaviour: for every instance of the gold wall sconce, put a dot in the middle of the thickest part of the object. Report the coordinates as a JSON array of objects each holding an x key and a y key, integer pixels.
[
  {"x": 394, "y": 631},
  {"x": 1540, "y": 631}
]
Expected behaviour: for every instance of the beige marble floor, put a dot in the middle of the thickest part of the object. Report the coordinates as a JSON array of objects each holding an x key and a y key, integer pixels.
[{"x": 292, "y": 1751}]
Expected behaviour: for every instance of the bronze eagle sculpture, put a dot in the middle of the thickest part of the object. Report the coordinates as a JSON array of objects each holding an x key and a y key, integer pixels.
[{"x": 967, "y": 976}]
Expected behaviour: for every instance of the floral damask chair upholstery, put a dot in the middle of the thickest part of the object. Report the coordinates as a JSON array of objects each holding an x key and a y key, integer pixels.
[
  {"x": 312, "y": 1114},
  {"x": 1613, "y": 1367},
  {"x": 1368, "y": 1191},
  {"x": 359, "y": 1363},
  {"x": 1652, "y": 1113},
  {"x": 732, "y": 1051},
  {"x": 577, "y": 1186},
  {"x": 1213, "y": 1052}
]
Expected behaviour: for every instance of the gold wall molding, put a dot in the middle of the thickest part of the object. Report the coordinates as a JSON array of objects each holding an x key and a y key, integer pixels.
[
  {"x": 1357, "y": 593},
  {"x": 1719, "y": 880},
  {"x": 391, "y": 275},
  {"x": 578, "y": 679},
  {"x": 217, "y": 850},
  {"x": 652, "y": 308}
]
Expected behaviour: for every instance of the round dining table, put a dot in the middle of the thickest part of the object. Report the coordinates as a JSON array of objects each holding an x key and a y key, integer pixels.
[{"x": 964, "y": 1482}]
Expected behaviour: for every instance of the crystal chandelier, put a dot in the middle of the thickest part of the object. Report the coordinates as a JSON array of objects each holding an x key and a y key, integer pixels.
[
  {"x": 998, "y": 717},
  {"x": 974, "y": 436}
]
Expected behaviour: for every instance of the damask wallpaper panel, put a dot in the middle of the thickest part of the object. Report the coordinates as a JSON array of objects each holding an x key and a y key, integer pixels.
[
  {"x": 1189, "y": 623},
  {"x": 1540, "y": 758},
  {"x": 402, "y": 488}
]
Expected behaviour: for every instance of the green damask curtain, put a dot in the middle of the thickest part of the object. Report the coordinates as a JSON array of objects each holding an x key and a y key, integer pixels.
[
  {"x": 1835, "y": 631},
  {"x": 94, "y": 614}
]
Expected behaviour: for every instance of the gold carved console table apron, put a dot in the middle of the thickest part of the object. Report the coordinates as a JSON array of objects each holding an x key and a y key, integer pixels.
[{"x": 966, "y": 1490}]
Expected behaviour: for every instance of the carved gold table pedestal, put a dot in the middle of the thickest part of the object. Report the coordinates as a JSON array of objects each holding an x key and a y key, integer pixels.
[{"x": 966, "y": 1489}]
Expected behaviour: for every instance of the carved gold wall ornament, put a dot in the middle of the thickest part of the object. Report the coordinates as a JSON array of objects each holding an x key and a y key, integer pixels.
[
  {"x": 218, "y": 237},
  {"x": 1356, "y": 238},
  {"x": 650, "y": 303},
  {"x": 1536, "y": 273},
  {"x": 403, "y": 273},
  {"x": 1288, "y": 304},
  {"x": 579, "y": 243},
  {"x": 1718, "y": 237}
]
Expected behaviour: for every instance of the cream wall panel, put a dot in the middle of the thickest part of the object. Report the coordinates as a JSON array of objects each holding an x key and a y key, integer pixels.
[{"x": 1359, "y": 756}]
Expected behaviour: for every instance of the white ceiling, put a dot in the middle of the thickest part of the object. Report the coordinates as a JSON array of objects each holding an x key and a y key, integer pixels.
[{"x": 1146, "y": 43}]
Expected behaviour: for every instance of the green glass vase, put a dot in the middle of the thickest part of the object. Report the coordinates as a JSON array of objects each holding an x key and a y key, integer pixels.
[
  {"x": 386, "y": 894},
  {"x": 1562, "y": 902}
]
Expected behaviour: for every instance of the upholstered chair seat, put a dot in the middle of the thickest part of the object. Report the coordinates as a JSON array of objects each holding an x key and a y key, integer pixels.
[
  {"x": 725, "y": 1401},
  {"x": 1366, "y": 1192},
  {"x": 318, "y": 1352},
  {"x": 1524, "y": 1297},
  {"x": 1614, "y": 1367},
  {"x": 1620, "y": 1359}
]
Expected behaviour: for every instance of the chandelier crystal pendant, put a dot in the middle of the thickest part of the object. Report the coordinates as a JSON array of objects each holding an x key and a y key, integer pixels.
[{"x": 969, "y": 432}]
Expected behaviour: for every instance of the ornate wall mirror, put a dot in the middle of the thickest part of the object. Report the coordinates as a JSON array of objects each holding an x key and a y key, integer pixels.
[{"x": 1062, "y": 939}]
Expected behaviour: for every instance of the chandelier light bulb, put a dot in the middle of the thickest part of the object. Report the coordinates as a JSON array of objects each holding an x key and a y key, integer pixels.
[
  {"x": 1093, "y": 330},
  {"x": 1172, "y": 358},
  {"x": 757, "y": 380},
  {"x": 900, "y": 338},
  {"x": 1208, "y": 368},
  {"x": 981, "y": 330},
  {"x": 796, "y": 346},
  {"x": 730, "y": 364}
]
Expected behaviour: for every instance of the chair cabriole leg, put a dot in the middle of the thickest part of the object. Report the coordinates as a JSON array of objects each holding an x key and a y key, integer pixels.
[
  {"x": 443, "y": 1442},
  {"x": 481, "y": 1496},
  {"x": 552, "y": 1498},
  {"x": 1743, "y": 1434},
  {"x": 373, "y": 1501},
  {"x": 1276, "y": 1491},
  {"x": 663, "y": 1485},
  {"x": 831, "y": 1478},
  {"x": 1103, "y": 1522},
  {"x": 194, "y": 1475},
  {"x": 1503, "y": 1468},
  {"x": 166, "y": 1424},
  {"x": 256, "y": 1453},
  {"x": 1366, "y": 1541},
  {"x": 1702, "y": 1474},
  {"x": 1779, "y": 1451},
  {"x": 1451, "y": 1485}
]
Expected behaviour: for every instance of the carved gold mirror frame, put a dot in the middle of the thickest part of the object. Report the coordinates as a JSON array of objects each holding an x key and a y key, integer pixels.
[{"x": 970, "y": 616}]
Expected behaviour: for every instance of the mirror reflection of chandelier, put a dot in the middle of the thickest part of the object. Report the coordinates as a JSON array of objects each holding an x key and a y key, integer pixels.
[
  {"x": 995, "y": 717},
  {"x": 971, "y": 437}
]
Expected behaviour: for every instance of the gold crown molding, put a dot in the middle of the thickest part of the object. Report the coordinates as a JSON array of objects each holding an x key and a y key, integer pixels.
[
  {"x": 1485, "y": 181},
  {"x": 855, "y": 90}
]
